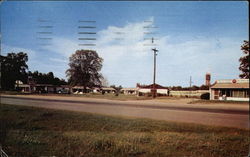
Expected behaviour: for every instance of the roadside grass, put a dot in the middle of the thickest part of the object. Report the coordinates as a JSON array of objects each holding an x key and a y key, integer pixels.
[
  {"x": 217, "y": 102},
  {"x": 123, "y": 97},
  {"x": 9, "y": 92},
  {"x": 109, "y": 96},
  {"x": 30, "y": 131},
  {"x": 112, "y": 96}
]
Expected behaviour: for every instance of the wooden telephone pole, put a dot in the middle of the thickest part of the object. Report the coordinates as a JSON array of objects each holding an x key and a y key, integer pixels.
[{"x": 155, "y": 53}]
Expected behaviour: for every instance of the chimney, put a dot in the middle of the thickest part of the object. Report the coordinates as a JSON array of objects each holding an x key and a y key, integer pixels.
[{"x": 208, "y": 79}]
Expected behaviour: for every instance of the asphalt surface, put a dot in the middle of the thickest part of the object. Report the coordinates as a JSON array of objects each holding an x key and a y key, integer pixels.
[{"x": 218, "y": 115}]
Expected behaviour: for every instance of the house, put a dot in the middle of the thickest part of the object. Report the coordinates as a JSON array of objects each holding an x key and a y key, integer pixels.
[
  {"x": 64, "y": 89},
  {"x": 96, "y": 90},
  {"x": 35, "y": 88},
  {"x": 235, "y": 90},
  {"x": 41, "y": 88},
  {"x": 80, "y": 90},
  {"x": 146, "y": 89},
  {"x": 128, "y": 91},
  {"x": 24, "y": 88},
  {"x": 44, "y": 88},
  {"x": 108, "y": 90}
]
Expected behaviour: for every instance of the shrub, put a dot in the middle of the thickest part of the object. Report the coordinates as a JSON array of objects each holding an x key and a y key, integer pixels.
[{"x": 205, "y": 96}]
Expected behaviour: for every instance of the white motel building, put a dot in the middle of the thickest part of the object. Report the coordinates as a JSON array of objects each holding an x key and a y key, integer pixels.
[{"x": 234, "y": 90}]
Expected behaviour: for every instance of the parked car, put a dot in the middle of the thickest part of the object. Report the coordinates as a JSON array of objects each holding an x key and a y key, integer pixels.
[{"x": 63, "y": 92}]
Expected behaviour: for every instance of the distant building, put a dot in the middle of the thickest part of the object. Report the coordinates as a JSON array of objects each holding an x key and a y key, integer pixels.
[
  {"x": 80, "y": 90},
  {"x": 208, "y": 79},
  {"x": 235, "y": 90},
  {"x": 127, "y": 91},
  {"x": 145, "y": 89},
  {"x": 35, "y": 88},
  {"x": 188, "y": 93},
  {"x": 108, "y": 90},
  {"x": 32, "y": 87},
  {"x": 96, "y": 90},
  {"x": 63, "y": 89}
]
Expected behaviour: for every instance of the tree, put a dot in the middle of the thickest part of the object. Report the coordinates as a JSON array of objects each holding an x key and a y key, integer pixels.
[
  {"x": 117, "y": 88},
  {"x": 13, "y": 67},
  {"x": 84, "y": 69},
  {"x": 244, "y": 61},
  {"x": 104, "y": 82},
  {"x": 43, "y": 78},
  {"x": 204, "y": 87}
]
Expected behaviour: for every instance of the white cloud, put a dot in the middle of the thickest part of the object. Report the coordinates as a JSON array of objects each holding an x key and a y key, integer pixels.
[
  {"x": 58, "y": 60},
  {"x": 32, "y": 55},
  {"x": 114, "y": 42},
  {"x": 127, "y": 61},
  {"x": 62, "y": 46},
  {"x": 196, "y": 57}
]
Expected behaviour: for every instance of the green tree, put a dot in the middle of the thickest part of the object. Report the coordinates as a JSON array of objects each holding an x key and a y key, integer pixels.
[
  {"x": 204, "y": 87},
  {"x": 244, "y": 61},
  {"x": 84, "y": 68},
  {"x": 117, "y": 88},
  {"x": 43, "y": 78},
  {"x": 13, "y": 67}
]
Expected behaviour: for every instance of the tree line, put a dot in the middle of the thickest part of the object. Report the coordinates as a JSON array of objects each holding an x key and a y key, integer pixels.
[
  {"x": 14, "y": 67},
  {"x": 202, "y": 87}
]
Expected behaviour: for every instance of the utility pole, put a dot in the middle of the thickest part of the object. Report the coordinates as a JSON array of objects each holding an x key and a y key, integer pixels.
[
  {"x": 154, "y": 50},
  {"x": 190, "y": 85}
]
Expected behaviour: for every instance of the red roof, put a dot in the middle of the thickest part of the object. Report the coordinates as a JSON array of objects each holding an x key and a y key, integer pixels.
[{"x": 157, "y": 86}]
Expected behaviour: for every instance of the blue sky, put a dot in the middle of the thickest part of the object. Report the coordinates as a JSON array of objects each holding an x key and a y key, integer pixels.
[{"x": 192, "y": 37}]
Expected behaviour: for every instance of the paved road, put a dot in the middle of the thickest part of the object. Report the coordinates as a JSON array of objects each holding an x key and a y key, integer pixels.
[{"x": 220, "y": 115}]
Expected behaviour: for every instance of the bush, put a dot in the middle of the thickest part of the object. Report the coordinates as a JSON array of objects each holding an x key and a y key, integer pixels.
[
  {"x": 205, "y": 96},
  {"x": 148, "y": 94}
]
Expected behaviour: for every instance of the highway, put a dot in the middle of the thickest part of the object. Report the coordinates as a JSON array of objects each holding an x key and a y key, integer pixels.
[{"x": 217, "y": 115}]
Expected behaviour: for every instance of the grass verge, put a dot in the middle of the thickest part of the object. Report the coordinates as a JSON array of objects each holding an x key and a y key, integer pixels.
[
  {"x": 112, "y": 96},
  {"x": 217, "y": 102},
  {"x": 109, "y": 96},
  {"x": 30, "y": 131}
]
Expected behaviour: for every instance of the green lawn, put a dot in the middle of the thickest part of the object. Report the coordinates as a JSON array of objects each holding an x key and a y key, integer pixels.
[
  {"x": 29, "y": 131},
  {"x": 218, "y": 102}
]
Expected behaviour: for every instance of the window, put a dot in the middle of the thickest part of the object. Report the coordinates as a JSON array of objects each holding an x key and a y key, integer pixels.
[
  {"x": 240, "y": 93},
  {"x": 228, "y": 93}
]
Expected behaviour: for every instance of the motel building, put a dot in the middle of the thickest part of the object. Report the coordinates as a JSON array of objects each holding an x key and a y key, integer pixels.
[
  {"x": 146, "y": 89},
  {"x": 129, "y": 91},
  {"x": 232, "y": 90}
]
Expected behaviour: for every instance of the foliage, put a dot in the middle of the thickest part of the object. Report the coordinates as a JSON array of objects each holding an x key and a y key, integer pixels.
[
  {"x": 194, "y": 87},
  {"x": 117, "y": 88},
  {"x": 104, "y": 82},
  {"x": 13, "y": 67},
  {"x": 204, "y": 87},
  {"x": 84, "y": 68},
  {"x": 205, "y": 96},
  {"x": 244, "y": 61},
  {"x": 176, "y": 88},
  {"x": 43, "y": 78}
]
